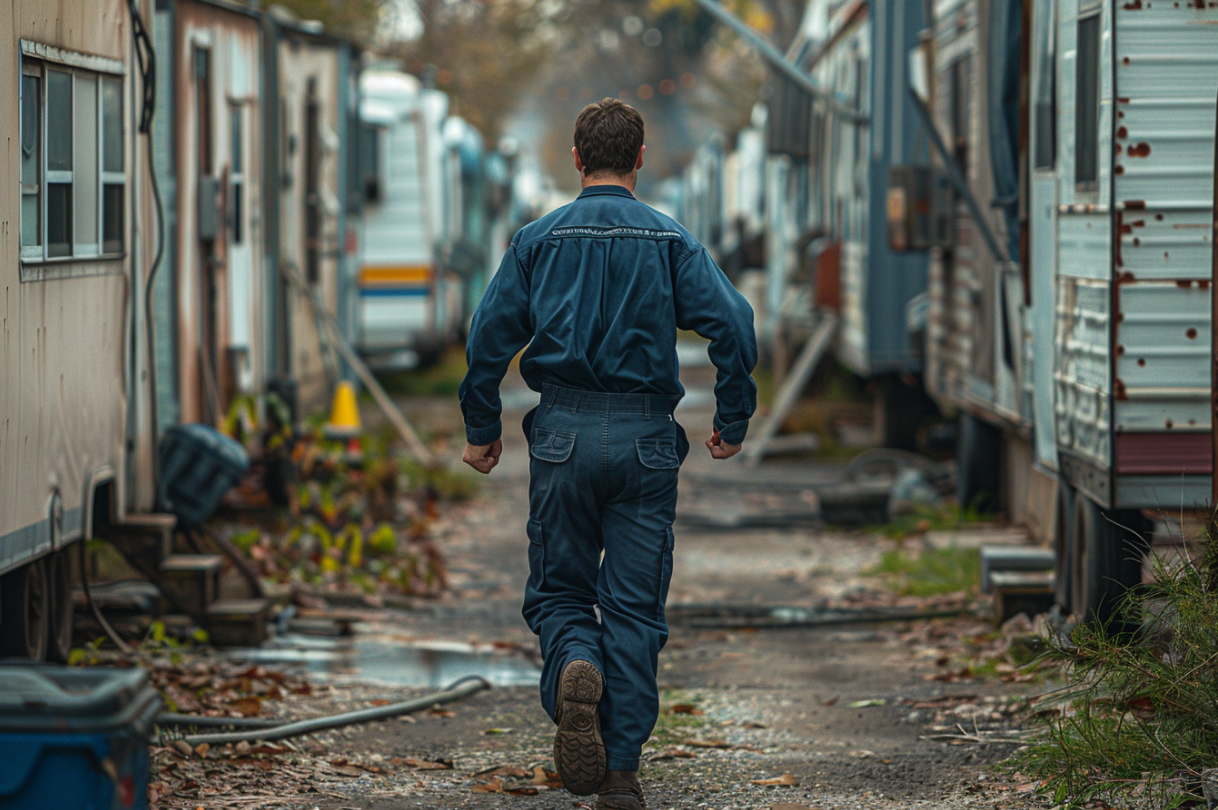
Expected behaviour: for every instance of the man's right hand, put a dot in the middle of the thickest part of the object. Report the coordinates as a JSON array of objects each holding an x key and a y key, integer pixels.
[
  {"x": 720, "y": 449},
  {"x": 483, "y": 457}
]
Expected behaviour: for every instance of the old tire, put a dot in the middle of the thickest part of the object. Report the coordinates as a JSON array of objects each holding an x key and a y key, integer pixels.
[
  {"x": 24, "y": 607},
  {"x": 59, "y": 598},
  {"x": 978, "y": 464},
  {"x": 1063, "y": 545},
  {"x": 1107, "y": 559}
]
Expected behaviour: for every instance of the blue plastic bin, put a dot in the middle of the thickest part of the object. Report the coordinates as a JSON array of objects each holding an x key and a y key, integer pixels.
[
  {"x": 74, "y": 738},
  {"x": 198, "y": 465}
]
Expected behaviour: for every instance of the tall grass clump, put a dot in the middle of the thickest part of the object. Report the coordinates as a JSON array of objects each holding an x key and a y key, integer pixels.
[{"x": 1137, "y": 722}]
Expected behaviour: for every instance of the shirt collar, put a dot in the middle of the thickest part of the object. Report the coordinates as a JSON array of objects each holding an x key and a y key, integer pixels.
[{"x": 617, "y": 191}]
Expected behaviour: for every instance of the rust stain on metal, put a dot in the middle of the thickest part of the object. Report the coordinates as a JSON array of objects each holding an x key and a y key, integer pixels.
[
  {"x": 1118, "y": 390},
  {"x": 1134, "y": 5},
  {"x": 1138, "y": 223},
  {"x": 1135, "y": 205},
  {"x": 1141, "y": 361},
  {"x": 1120, "y": 349},
  {"x": 1139, "y": 150},
  {"x": 1159, "y": 217},
  {"x": 1204, "y": 283},
  {"x": 1184, "y": 284},
  {"x": 1191, "y": 333},
  {"x": 1119, "y": 169},
  {"x": 1122, "y": 132}
]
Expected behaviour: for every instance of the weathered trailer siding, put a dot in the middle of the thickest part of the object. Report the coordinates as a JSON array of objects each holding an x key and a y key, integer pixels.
[
  {"x": 217, "y": 64},
  {"x": 1083, "y": 396},
  {"x": 977, "y": 355},
  {"x": 1166, "y": 70},
  {"x": 310, "y": 77},
  {"x": 64, "y": 359}
]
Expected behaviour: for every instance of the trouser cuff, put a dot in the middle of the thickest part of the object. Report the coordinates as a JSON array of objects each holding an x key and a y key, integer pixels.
[{"x": 612, "y": 764}]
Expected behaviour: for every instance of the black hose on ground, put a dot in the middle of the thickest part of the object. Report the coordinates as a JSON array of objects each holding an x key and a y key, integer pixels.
[{"x": 459, "y": 690}]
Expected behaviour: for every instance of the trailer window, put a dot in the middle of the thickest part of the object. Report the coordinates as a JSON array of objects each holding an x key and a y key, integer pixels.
[
  {"x": 72, "y": 165},
  {"x": 1087, "y": 104},
  {"x": 1045, "y": 153},
  {"x": 31, "y": 162},
  {"x": 237, "y": 173}
]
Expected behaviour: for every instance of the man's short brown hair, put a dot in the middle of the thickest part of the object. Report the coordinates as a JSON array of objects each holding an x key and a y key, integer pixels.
[{"x": 608, "y": 137}]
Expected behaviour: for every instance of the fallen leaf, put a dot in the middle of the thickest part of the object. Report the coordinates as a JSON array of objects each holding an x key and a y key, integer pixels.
[
  {"x": 830, "y": 702},
  {"x": 437, "y": 712},
  {"x": 493, "y": 786},
  {"x": 498, "y": 731},
  {"x": 201, "y": 749},
  {"x": 183, "y": 747},
  {"x": 863, "y": 704},
  {"x": 684, "y": 708},
  {"x": 786, "y": 780},
  {"x": 672, "y": 753},
  {"x": 708, "y": 743}
]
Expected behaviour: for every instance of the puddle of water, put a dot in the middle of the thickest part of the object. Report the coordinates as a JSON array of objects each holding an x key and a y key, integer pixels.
[{"x": 401, "y": 663}]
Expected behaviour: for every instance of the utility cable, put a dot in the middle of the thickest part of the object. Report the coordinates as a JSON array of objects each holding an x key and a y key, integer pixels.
[{"x": 471, "y": 686}]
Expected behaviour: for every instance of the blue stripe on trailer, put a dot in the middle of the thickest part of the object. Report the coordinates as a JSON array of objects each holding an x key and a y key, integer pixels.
[{"x": 394, "y": 292}]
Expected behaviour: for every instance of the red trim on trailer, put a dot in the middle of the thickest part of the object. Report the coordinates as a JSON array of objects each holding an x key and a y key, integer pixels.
[{"x": 1164, "y": 454}]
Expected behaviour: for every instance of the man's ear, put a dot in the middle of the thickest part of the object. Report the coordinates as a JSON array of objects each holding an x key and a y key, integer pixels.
[
  {"x": 579, "y": 164},
  {"x": 638, "y": 163}
]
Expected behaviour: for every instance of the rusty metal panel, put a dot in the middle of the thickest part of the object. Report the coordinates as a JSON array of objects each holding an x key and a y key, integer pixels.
[
  {"x": 1083, "y": 378},
  {"x": 1159, "y": 454},
  {"x": 1166, "y": 67}
]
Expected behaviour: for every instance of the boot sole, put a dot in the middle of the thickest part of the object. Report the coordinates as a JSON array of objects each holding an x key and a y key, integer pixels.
[{"x": 579, "y": 752}]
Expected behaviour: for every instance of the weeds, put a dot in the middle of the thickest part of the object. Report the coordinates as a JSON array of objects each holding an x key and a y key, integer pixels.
[
  {"x": 1139, "y": 716},
  {"x": 933, "y": 518}
]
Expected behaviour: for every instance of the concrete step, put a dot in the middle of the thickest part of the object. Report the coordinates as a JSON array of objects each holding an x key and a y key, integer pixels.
[{"x": 237, "y": 622}]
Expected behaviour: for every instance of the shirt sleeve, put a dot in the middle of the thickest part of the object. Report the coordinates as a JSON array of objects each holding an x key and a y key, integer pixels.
[
  {"x": 708, "y": 304},
  {"x": 501, "y": 327}
]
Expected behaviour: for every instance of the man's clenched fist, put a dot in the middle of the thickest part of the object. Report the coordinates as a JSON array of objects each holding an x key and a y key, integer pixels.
[{"x": 483, "y": 457}]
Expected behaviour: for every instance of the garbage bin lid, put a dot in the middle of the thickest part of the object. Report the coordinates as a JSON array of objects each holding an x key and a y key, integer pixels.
[{"x": 39, "y": 692}]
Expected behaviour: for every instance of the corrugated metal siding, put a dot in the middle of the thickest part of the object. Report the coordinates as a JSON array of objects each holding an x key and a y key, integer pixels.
[{"x": 1167, "y": 78}]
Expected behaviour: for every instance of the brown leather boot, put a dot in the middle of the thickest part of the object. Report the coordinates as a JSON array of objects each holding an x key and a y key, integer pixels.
[
  {"x": 579, "y": 753},
  {"x": 620, "y": 790}
]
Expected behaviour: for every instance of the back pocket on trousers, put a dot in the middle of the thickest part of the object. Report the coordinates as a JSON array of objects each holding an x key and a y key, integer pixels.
[
  {"x": 658, "y": 454},
  {"x": 552, "y": 445}
]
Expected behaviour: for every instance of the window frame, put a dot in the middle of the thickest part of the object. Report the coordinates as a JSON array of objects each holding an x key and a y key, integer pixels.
[
  {"x": 1083, "y": 184},
  {"x": 39, "y": 60}
]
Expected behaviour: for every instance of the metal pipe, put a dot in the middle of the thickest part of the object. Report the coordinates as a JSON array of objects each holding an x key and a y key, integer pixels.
[
  {"x": 959, "y": 184},
  {"x": 1213, "y": 342},
  {"x": 455, "y": 693},
  {"x": 778, "y": 60}
]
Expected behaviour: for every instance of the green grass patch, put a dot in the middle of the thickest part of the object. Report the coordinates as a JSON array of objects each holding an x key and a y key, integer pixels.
[
  {"x": 931, "y": 572},
  {"x": 931, "y": 518},
  {"x": 441, "y": 379},
  {"x": 677, "y": 727}
]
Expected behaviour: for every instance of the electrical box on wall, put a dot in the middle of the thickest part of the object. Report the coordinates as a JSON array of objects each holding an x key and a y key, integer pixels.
[
  {"x": 209, "y": 208},
  {"x": 918, "y": 208}
]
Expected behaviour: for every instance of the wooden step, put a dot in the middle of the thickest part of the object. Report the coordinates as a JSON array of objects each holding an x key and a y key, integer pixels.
[
  {"x": 191, "y": 582},
  {"x": 237, "y": 622}
]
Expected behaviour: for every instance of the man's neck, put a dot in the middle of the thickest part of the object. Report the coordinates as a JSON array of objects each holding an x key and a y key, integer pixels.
[{"x": 627, "y": 182}]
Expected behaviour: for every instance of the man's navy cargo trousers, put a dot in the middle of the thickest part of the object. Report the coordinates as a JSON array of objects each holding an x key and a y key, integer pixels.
[{"x": 603, "y": 479}]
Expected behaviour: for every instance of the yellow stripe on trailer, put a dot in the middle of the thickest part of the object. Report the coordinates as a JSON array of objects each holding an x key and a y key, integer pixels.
[{"x": 376, "y": 276}]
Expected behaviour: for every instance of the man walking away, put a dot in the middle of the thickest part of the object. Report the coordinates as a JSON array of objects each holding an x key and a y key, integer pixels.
[{"x": 598, "y": 289}]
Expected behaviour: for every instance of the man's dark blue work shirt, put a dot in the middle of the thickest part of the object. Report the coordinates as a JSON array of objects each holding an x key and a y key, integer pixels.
[{"x": 600, "y": 288}]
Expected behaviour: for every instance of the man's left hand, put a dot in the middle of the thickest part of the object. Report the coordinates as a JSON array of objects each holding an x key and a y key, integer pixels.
[
  {"x": 720, "y": 449},
  {"x": 483, "y": 457}
]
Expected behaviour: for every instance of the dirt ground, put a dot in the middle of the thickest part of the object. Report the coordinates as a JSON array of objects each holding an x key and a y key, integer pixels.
[{"x": 837, "y": 717}]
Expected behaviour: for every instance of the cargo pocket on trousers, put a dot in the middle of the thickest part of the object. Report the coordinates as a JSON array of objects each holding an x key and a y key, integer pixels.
[
  {"x": 658, "y": 454},
  {"x": 554, "y": 446},
  {"x": 665, "y": 571},
  {"x": 537, "y": 556}
]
